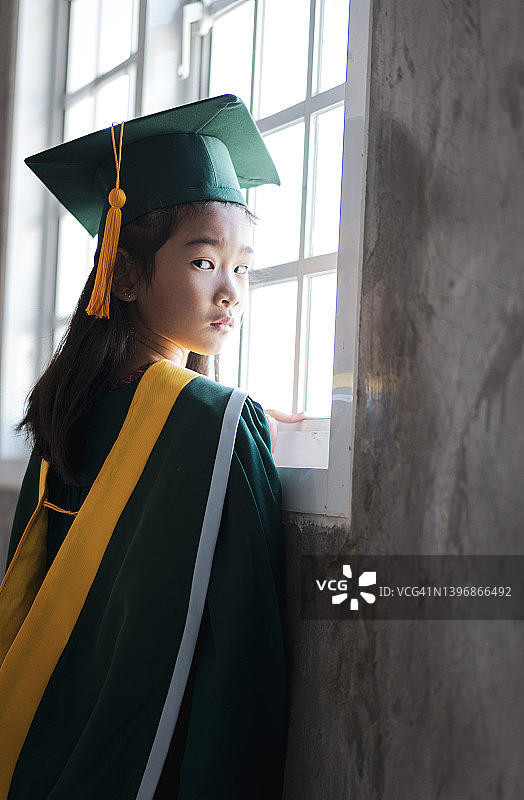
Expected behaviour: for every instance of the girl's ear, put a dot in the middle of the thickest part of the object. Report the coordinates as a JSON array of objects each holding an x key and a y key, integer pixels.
[{"x": 125, "y": 278}]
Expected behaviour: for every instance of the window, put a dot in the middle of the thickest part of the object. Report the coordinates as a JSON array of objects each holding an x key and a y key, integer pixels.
[
  {"x": 298, "y": 102},
  {"x": 104, "y": 60},
  {"x": 288, "y": 62},
  {"x": 102, "y": 84},
  {"x": 91, "y": 60}
]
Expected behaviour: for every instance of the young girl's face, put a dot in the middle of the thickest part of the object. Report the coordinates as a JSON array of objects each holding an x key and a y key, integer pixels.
[{"x": 200, "y": 282}]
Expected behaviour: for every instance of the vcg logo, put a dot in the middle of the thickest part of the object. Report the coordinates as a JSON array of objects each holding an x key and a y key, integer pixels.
[{"x": 365, "y": 579}]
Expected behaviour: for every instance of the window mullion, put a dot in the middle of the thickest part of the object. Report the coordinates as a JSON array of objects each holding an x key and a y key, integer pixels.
[
  {"x": 311, "y": 51},
  {"x": 61, "y": 48},
  {"x": 281, "y": 118},
  {"x": 276, "y": 274},
  {"x": 305, "y": 172},
  {"x": 98, "y": 37},
  {"x": 65, "y": 15},
  {"x": 241, "y": 349},
  {"x": 312, "y": 193},
  {"x": 306, "y": 342},
  {"x": 219, "y": 7},
  {"x": 87, "y": 89},
  {"x": 256, "y": 62},
  {"x": 50, "y": 217},
  {"x": 245, "y": 343},
  {"x": 318, "y": 102},
  {"x": 319, "y": 33},
  {"x": 140, "y": 56},
  {"x": 297, "y": 371},
  {"x": 315, "y": 265},
  {"x": 307, "y": 127},
  {"x": 206, "y": 43},
  {"x": 323, "y": 100}
]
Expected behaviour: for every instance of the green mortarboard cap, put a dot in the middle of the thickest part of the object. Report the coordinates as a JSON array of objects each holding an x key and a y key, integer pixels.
[{"x": 206, "y": 150}]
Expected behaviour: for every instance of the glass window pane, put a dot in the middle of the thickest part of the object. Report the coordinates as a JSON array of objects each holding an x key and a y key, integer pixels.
[
  {"x": 232, "y": 52},
  {"x": 79, "y": 119},
  {"x": 114, "y": 101},
  {"x": 277, "y": 235},
  {"x": 81, "y": 65},
  {"x": 321, "y": 341},
  {"x": 272, "y": 320},
  {"x": 229, "y": 357},
  {"x": 285, "y": 41},
  {"x": 75, "y": 260},
  {"x": 116, "y": 30},
  {"x": 331, "y": 43},
  {"x": 163, "y": 56},
  {"x": 325, "y": 180}
]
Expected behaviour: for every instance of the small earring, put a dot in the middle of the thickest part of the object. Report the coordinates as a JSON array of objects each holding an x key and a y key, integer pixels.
[{"x": 129, "y": 293}]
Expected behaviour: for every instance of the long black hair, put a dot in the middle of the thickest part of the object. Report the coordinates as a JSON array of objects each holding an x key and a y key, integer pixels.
[{"x": 93, "y": 349}]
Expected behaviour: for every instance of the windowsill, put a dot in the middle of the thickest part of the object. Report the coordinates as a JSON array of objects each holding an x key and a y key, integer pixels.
[
  {"x": 301, "y": 455},
  {"x": 303, "y": 444}
]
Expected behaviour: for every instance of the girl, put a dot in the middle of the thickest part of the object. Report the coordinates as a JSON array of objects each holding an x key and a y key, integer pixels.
[{"x": 130, "y": 668}]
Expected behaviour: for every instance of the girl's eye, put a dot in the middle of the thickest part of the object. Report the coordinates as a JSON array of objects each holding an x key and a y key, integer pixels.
[
  {"x": 241, "y": 269},
  {"x": 203, "y": 263}
]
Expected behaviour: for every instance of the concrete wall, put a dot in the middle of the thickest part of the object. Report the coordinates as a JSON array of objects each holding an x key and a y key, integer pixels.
[{"x": 397, "y": 710}]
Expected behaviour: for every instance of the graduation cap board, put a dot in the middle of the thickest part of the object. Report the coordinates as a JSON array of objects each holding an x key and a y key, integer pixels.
[{"x": 208, "y": 150}]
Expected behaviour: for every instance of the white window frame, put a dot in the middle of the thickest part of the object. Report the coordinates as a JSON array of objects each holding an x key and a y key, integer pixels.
[{"x": 319, "y": 490}]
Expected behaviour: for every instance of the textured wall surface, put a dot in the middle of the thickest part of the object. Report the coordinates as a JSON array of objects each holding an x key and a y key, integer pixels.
[{"x": 397, "y": 710}]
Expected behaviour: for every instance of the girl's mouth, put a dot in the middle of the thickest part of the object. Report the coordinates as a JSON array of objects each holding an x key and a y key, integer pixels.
[{"x": 222, "y": 326}]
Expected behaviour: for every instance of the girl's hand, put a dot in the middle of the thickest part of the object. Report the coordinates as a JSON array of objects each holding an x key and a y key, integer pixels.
[{"x": 273, "y": 416}]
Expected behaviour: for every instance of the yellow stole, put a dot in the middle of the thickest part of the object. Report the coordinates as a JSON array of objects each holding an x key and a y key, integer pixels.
[{"x": 38, "y": 612}]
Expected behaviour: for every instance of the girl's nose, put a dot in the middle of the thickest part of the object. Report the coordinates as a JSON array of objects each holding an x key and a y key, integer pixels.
[{"x": 227, "y": 292}]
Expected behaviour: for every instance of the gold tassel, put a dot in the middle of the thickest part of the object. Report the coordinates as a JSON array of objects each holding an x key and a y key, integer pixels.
[{"x": 101, "y": 295}]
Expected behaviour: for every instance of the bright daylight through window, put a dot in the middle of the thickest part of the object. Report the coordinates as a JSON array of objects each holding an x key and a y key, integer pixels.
[{"x": 288, "y": 361}]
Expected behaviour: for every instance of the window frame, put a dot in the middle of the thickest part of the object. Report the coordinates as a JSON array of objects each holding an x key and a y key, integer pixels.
[
  {"x": 304, "y": 266},
  {"x": 321, "y": 491},
  {"x": 327, "y": 492}
]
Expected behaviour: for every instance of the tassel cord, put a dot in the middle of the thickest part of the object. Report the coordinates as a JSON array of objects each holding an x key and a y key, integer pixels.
[{"x": 101, "y": 294}]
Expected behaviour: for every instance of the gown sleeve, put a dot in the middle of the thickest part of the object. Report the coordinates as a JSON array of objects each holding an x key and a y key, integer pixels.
[{"x": 237, "y": 712}]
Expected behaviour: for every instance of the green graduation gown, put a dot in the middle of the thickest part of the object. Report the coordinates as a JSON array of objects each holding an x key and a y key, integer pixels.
[{"x": 93, "y": 728}]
